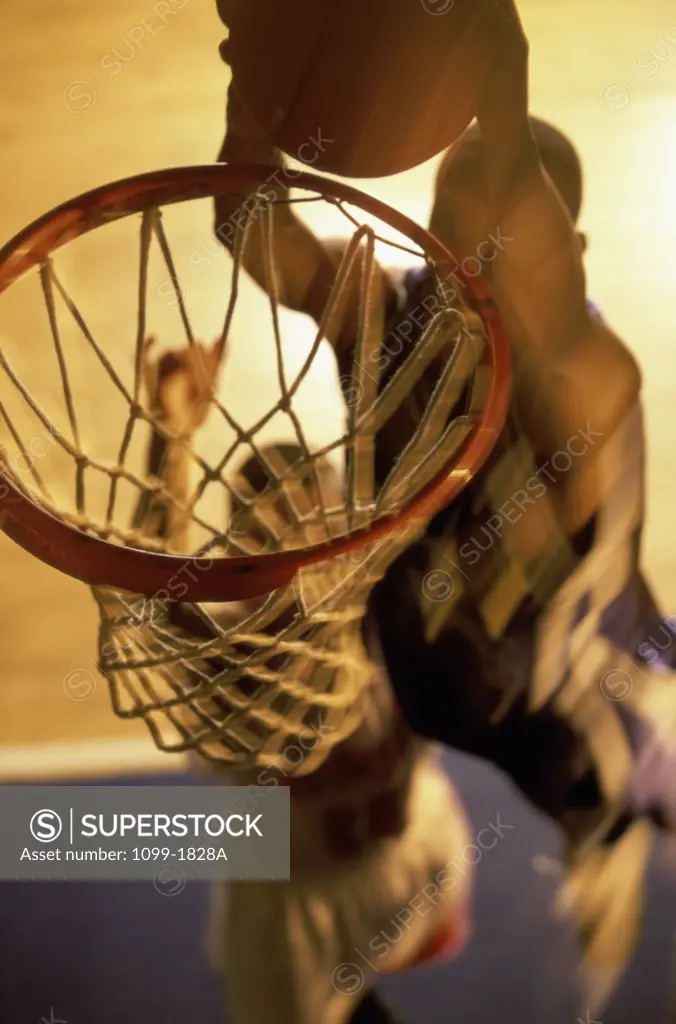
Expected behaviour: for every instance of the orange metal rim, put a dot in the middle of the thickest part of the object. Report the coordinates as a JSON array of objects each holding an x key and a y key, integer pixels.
[{"x": 100, "y": 563}]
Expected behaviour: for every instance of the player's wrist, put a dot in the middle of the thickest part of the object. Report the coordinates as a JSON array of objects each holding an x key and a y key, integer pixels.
[
  {"x": 504, "y": 91},
  {"x": 503, "y": 114},
  {"x": 241, "y": 126},
  {"x": 238, "y": 150}
]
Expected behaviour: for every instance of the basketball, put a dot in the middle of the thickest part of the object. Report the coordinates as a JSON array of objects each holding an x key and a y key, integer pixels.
[{"x": 359, "y": 88}]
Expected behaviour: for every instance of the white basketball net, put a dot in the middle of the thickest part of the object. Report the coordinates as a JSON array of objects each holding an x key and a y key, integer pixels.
[{"x": 240, "y": 686}]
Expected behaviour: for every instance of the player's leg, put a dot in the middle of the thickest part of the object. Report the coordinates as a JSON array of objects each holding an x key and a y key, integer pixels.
[
  {"x": 307, "y": 950},
  {"x": 375, "y": 829},
  {"x": 269, "y": 994}
]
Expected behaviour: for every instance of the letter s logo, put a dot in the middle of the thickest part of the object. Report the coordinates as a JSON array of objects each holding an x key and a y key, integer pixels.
[{"x": 46, "y": 826}]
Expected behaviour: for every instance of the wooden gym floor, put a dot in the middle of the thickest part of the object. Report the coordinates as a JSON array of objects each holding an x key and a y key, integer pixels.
[{"x": 69, "y": 123}]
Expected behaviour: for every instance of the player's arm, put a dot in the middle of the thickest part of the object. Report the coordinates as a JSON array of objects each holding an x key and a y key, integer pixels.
[
  {"x": 573, "y": 372},
  {"x": 566, "y": 356},
  {"x": 304, "y": 267},
  {"x": 179, "y": 386}
]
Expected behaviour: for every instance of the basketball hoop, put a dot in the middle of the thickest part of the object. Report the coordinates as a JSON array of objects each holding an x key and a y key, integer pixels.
[{"x": 238, "y": 692}]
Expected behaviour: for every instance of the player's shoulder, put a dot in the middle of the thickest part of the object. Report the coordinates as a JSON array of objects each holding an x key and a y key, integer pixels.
[
  {"x": 603, "y": 372},
  {"x": 607, "y": 353}
]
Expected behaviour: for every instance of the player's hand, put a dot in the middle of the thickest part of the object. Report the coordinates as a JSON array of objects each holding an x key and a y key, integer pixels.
[
  {"x": 226, "y": 11},
  {"x": 244, "y": 143},
  {"x": 181, "y": 384},
  {"x": 503, "y": 101},
  {"x": 506, "y": 33}
]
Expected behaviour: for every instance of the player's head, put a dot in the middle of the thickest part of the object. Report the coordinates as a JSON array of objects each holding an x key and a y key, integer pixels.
[{"x": 461, "y": 214}]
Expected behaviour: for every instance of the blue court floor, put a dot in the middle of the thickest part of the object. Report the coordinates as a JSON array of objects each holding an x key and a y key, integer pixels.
[{"x": 110, "y": 953}]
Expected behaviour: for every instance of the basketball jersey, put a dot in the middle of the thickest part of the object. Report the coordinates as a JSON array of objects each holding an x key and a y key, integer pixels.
[{"x": 536, "y": 619}]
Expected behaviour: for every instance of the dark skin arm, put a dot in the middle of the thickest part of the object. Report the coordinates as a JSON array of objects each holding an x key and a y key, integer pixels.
[
  {"x": 305, "y": 267},
  {"x": 572, "y": 368}
]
